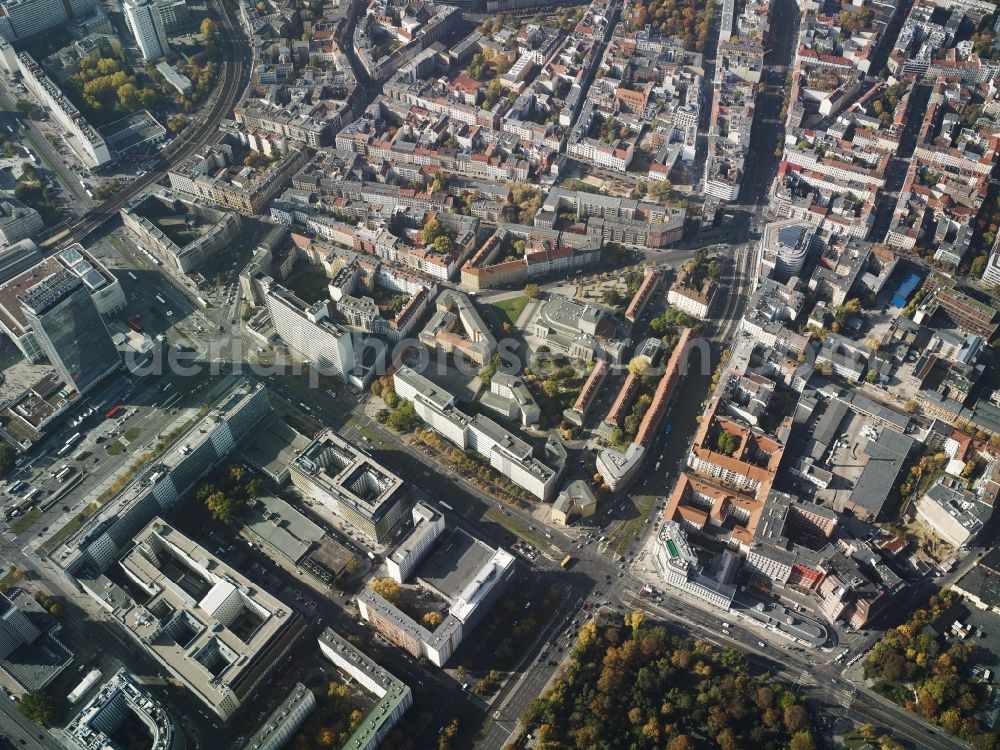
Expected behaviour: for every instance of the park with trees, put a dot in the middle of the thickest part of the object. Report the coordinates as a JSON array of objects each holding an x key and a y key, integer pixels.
[
  {"x": 522, "y": 203},
  {"x": 400, "y": 414},
  {"x": 684, "y": 19},
  {"x": 634, "y": 684},
  {"x": 931, "y": 674}
]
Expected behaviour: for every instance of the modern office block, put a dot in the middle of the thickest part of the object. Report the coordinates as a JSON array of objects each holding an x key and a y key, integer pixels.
[
  {"x": 20, "y": 19},
  {"x": 218, "y": 633},
  {"x": 22, "y": 267},
  {"x": 146, "y": 24},
  {"x": 349, "y": 483},
  {"x": 121, "y": 700},
  {"x": 69, "y": 329}
]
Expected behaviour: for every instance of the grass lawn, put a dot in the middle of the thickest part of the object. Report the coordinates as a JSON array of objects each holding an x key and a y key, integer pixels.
[
  {"x": 627, "y": 531},
  {"x": 75, "y": 523},
  {"x": 132, "y": 433},
  {"x": 510, "y": 309},
  {"x": 114, "y": 448},
  {"x": 23, "y": 523}
]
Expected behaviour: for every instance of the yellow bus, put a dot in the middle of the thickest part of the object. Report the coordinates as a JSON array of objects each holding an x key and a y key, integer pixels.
[{"x": 566, "y": 561}]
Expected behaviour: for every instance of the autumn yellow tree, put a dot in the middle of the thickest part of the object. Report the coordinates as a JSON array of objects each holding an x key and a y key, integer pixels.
[
  {"x": 387, "y": 588},
  {"x": 634, "y": 620},
  {"x": 432, "y": 619}
]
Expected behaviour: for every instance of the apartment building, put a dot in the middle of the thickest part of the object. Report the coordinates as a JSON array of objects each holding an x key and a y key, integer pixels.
[
  {"x": 642, "y": 296},
  {"x": 457, "y": 327},
  {"x": 511, "y": 456},
  {"x": 284, "y": 722},
  {"x": 310, "y": 331},
  {"x": 588, "y": 393},
  {"x": 428, "y": 525},
  {"x": 749, "y": 468},
  {"x": 162, "y": 221},
  {"x": 311, "y": 124},
  {"x": 467, "y": 574},
  {"x": 393, "y": 697},
  {"x": 86, "y": 140},
  {"x": 954, "y": 513},
  {"x": 510, "y": 397}
]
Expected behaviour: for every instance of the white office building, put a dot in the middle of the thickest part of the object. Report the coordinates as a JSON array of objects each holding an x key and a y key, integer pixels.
[
  {"x": 20, "y": 19},
  {"x": 308, "y": 330},
  {"x": 428, "y": 525},
  {"x": 146, "y": 24}
]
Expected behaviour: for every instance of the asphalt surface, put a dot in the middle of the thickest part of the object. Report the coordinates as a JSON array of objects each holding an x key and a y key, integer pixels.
[{"x": 21, "y": 732}]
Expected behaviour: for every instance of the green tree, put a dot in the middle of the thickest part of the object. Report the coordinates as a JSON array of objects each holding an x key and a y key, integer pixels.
[
  {"x": 733, "y": 660},
  {"x": 493, "y": 93},
  {"x": 532, "y": 291},
  {"x": 432, "y": 619},
  {"x": 403, "y": 418},
  {"x": 443, "y": 244},
  {"x": 978, "y": 266},
  {"x": 726, "y": 443},
  {"x": 128, "y": 97},
  {"x": 38, "y": 707}
]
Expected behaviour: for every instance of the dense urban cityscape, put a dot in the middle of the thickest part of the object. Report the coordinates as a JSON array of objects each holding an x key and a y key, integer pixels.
[{"x": 499, "y": 374}]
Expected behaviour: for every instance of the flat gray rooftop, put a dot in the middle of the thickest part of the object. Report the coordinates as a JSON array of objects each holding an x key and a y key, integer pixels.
[{"x": 453, "y": 563}]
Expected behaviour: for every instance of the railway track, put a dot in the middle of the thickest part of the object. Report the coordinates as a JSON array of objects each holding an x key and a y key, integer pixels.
[{"x": 234, "y": 78}]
